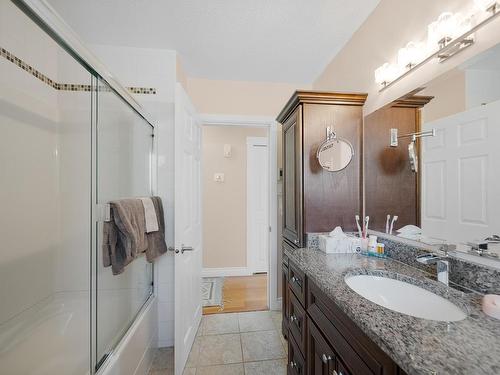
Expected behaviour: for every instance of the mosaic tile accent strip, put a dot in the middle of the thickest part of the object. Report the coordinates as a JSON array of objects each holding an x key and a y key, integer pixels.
[{"x": 65, "y": 86}]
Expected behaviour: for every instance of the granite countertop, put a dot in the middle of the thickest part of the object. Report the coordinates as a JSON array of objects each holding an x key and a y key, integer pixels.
[{"x": 418, "y": 346}]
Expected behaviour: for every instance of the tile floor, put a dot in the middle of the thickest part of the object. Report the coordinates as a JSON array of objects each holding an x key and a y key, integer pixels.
[{"x": 248, "y": 343}]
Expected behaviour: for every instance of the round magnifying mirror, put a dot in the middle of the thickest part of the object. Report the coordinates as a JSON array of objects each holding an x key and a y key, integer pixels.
[{"x": 335, "y": 154}]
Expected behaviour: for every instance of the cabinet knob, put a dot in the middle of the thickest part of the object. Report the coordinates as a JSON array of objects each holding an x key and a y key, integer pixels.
[
  {"x": 296, "y": 242},
  {"x": 293, "y": 318},
  {"x": 326, "y": 358}
]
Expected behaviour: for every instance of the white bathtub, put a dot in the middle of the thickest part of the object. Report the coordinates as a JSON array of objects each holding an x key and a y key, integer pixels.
[
  {"x": 53, "y": 338},
  {"x": 49, "y": 339}
]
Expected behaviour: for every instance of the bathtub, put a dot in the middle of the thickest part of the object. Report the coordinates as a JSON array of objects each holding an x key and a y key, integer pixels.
[{"x": 53, "y": 338}]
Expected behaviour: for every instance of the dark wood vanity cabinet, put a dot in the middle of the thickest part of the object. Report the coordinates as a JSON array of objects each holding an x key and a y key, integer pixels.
[
  {"x": 315, "y": 200},
  {"x": 322, "y": 339}
]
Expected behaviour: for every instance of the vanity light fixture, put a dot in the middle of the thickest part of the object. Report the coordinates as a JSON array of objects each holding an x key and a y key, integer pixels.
[{"x": 447, "y": 36}]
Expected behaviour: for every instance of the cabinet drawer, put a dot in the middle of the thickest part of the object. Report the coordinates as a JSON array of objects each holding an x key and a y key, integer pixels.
[
  {"x": 358, "y": 354},
  {"x": 297, "y": 322},
  {"x": 296, "y": 362},
  {"x": 297, "y": 282}
]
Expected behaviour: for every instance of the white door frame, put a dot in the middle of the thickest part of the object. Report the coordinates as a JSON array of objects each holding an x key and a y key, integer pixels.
[
  {"x": 270, "y": 124},
  {"x": 251, "y": 142}
]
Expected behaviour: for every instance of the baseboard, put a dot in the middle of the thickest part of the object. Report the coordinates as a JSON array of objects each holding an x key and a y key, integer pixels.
[{"x": 226, "y": 271}]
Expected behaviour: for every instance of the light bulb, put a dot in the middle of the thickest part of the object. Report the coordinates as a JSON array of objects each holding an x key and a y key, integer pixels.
[
  {"x": 381, "y": 74},
  {"x": 410, "y": 55},
  {"x": 485, "y": 4},
  {"x": 432, "y": 37},
  {"x": 464, "y": 24},
  {"x": 447, "y": 26},
  {"x": 392, "y": 72}
]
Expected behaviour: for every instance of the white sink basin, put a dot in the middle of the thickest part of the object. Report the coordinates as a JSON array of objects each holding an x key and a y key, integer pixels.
[{"x": 405, "y": 298}]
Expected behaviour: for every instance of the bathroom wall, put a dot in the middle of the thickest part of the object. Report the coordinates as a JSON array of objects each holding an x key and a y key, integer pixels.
[
  {"x": 240, "y": 97},
  {"x": 378, "y": 41},
  {"x": 225, "y": 204}
]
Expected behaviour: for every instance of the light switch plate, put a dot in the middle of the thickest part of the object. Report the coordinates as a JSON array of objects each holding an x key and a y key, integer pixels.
[{"x": 219, "y": 177}]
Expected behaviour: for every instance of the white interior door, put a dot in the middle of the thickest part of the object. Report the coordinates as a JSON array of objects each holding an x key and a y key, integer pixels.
[
  {"x": 257, "y": 204},
  {"x": 460, "y": 179},
  {"x": 188, "y": 240}
]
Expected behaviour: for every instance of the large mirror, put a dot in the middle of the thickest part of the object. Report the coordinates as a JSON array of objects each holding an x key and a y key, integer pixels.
[{"x": 439, "y": 182}]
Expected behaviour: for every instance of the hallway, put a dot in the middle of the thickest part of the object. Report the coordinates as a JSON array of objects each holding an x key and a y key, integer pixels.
[{"x": 242, "y": 293}]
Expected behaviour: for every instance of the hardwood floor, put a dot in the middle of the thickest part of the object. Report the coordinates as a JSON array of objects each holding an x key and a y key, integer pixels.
[{"x": 242, "y": 293}]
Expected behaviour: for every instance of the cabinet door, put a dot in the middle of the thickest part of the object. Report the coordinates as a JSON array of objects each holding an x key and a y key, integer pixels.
[
  {"x": 292, "y": 177},
  {"x": 296, "y": 362},
  {"x": 321, "y": 359}
]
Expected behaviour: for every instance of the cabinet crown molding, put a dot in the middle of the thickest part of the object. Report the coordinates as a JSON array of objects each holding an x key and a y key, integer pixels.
[
  {"x": 414, "y": 101},
  {"x": 320, "y": 97}
]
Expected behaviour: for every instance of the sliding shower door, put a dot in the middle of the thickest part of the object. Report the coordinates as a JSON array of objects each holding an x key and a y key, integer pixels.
[
  {"x": 45, "y": 200},
  {"x": 124, "y": 156}
]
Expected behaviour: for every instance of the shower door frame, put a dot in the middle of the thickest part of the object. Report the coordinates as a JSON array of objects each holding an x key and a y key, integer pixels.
[{"x": 42, "y": 14}]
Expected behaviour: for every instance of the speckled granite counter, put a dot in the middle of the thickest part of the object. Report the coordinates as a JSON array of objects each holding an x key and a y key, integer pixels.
[{"x": 418, "y": 346}]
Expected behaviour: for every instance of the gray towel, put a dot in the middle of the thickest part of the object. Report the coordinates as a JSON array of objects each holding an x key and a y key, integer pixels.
[
  {"x": 156, "y": 240},
  {"x": 124, "y": 236}
]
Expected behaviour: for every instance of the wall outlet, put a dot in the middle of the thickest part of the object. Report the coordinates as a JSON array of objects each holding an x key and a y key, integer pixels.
[{"x": 219, "y": 177}]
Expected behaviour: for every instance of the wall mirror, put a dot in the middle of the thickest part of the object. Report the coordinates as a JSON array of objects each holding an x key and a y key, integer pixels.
[
  {"x": 453, "y": 194},
  {"x": 335, "y": 153}
]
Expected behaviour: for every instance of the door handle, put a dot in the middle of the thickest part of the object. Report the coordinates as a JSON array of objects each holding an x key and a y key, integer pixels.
[{"x": 186, "y": 248}]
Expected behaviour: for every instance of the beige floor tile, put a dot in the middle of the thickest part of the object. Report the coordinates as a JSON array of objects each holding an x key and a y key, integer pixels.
[
  {"x": 163, "y": 359},
  {"x": 165, "y": 371},
  {"x": 255, "y": 321},
  {"x": 277, "y": 317},
  {"x": 235, "y": 369},
  {"x": 194, "y": 355},
  {"x": 260, "y": 346},
  {"x": 274, "y": 367},
  {"x": 219, "y": 324},
  {"x": 189, "y": 371},
  {"x": 219, "y": 350}
]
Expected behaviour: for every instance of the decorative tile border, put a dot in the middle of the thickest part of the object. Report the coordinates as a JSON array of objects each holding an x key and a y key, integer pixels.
[{"x": 65, "y": 86}]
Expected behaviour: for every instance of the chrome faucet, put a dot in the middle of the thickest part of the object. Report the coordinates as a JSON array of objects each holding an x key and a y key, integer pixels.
[
  {"x": 481, "y": 248},
  {"x": 443, "y": 266}
]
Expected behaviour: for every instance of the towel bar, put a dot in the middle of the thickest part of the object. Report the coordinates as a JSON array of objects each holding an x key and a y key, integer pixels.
[{"x": 103, "y": 212}]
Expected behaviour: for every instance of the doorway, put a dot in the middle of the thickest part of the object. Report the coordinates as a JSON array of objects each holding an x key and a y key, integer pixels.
[{"x": 237, "y": 221}]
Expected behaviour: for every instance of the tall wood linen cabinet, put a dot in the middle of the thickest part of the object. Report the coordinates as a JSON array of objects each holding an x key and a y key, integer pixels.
[{"x": 315, "y": 200}]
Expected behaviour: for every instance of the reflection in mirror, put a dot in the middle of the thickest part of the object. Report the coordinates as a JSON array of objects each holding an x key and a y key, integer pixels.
[
  {"x": 334, "y": 154},
  {"x": 454, "y": 197}
]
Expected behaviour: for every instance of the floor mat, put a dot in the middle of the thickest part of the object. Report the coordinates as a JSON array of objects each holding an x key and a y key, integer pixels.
[{"x": 211, "y": 291}]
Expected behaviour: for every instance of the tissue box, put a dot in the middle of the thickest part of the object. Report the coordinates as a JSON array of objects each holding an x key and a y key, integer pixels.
[{"x": 335, "y": 245}]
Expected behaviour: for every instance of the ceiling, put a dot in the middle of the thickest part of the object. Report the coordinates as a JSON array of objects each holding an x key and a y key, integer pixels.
[{"x": 251, "y": 40}]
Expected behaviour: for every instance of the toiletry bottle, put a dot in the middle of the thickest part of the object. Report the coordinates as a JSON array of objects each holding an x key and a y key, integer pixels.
[
  {"x": 380, "y": 249},
  {"x": 372, "y": 244}
]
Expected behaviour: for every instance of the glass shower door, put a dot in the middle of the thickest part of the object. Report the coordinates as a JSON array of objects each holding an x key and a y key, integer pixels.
[{"x": 124, "y": 154}]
